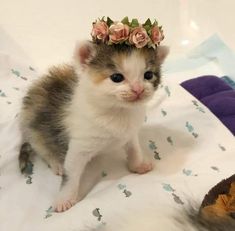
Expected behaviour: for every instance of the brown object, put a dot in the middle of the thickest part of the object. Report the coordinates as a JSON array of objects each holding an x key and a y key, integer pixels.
[{"x": 219, "y": 203}]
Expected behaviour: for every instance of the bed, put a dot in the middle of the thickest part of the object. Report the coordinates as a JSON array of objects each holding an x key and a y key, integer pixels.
[{"x": 191, "y": 148}]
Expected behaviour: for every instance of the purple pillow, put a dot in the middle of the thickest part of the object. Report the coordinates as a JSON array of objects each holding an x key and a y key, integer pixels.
[
  {"x": 205, "y": 85},
  {"x": 217, "y": 95}
]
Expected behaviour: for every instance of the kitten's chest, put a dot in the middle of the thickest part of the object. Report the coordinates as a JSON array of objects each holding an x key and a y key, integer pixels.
[
  {"x": 107, "y": 127},
  {"x": 120, "y": 125},
  {"x": 116, "y": 132}
]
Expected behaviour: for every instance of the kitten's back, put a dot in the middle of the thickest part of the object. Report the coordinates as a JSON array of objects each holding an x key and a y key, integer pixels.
[{"x": 43, "y": 111}]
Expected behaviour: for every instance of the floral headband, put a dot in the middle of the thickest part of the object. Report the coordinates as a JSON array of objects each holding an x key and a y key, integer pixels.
[{"x": 127, "y": 32}]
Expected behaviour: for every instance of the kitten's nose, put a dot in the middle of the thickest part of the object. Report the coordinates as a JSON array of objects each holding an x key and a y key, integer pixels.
[{"x": 137, "y": 89}]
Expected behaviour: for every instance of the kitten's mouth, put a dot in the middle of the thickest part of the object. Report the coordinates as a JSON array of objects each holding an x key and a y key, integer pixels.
[{"x": 135, "y": 98}]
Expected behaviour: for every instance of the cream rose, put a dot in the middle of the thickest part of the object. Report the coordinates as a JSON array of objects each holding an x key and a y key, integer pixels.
[
  {"x": 156, "y": 35},
  {"x": 139, "y": 37},
  {"x": 100, "y": 31},
  {"x": 118, "y": 32}
]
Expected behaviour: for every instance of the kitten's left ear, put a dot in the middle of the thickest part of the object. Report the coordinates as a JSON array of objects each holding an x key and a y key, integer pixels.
[
  {"x": 162, "y": 52},
  {"x": 84, "y": 52}
]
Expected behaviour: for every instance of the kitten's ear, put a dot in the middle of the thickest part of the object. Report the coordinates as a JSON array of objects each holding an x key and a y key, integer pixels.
[
  {"x": 162, "y": 52},
  {"x": 84, "y": 52}
]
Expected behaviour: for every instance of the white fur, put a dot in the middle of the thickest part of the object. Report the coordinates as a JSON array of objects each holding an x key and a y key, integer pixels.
[{"x": 100, "y": 117}]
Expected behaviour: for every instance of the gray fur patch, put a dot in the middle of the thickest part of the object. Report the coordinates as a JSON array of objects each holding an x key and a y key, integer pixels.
[
  {"x": 24, "y": 158},
  {"x": 44, "y": 109}
]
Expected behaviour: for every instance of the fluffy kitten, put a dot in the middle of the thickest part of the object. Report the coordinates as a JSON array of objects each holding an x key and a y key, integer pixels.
[{"x": 75, "y": 112}]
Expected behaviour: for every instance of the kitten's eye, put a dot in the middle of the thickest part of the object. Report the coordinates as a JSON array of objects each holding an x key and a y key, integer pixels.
[
  {"x": 117, "y": 77},
  {"x": 148, "y": 75}
]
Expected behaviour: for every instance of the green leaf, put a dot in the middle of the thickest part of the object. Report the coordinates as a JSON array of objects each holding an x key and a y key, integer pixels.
[
  {"x": 147, "y": 28},
  {"x": 151, "y": 44},
  {"x": 149, "y": 31},
  {"x": 148, "y": 23},
  {"x": 126, "y": 21},
  {"x": 155, "y": 23},
  {"x": 134, "y": 22},
  {"x": 109, "y": 21}
]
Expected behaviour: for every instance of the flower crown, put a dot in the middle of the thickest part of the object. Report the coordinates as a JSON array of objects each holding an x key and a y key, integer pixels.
[{"x": 131, "y": 33}]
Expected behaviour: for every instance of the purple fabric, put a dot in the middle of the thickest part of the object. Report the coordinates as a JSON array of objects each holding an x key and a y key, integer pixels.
[{"x": 217, "y": 95}]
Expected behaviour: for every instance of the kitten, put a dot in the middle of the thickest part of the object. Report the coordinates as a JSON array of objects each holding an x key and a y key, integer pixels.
[{"x": 75, "y": 112}]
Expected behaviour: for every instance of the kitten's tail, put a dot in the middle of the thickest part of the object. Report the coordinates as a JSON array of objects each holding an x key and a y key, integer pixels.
[{"x": 26, "y": 152}]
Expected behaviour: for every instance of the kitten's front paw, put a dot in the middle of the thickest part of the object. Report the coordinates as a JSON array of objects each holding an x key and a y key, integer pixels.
[
  {"x": 142, "y": 167},
  {"x": 64, "y": 203}
]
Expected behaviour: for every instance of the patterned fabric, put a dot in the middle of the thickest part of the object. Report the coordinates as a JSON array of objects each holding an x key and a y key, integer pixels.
[{"x": 192, "y": 151}]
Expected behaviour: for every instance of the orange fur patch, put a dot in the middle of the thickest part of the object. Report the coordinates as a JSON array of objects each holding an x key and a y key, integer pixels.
[{"x": 98, "y": 76}]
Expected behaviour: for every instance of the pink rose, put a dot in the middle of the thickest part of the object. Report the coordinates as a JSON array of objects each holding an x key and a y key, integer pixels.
[
  {"x": 156, "y": 35},
  {"x": 100, "y": 31},
  {"x": 139, "y": 37},
  {"x": 118, "y": 32}
]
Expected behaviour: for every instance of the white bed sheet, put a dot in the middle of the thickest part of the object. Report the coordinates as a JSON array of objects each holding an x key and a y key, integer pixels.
[{"x": 191, "y": 148}]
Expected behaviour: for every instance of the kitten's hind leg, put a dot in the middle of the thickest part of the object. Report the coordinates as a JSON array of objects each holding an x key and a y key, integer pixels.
[
  {"x": 136, "y": 161},
  {"x": 26, "y": 153},
  {"x": 51, "y": 157}
]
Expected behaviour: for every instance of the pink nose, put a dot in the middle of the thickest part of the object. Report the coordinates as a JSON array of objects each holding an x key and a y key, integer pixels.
[{"x": 137, "y": 88}]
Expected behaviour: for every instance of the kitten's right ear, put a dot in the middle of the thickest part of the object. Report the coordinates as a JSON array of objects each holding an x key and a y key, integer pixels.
[
  {"x": 84, "y": 52},
  {"x": 162, "y": 52}
]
